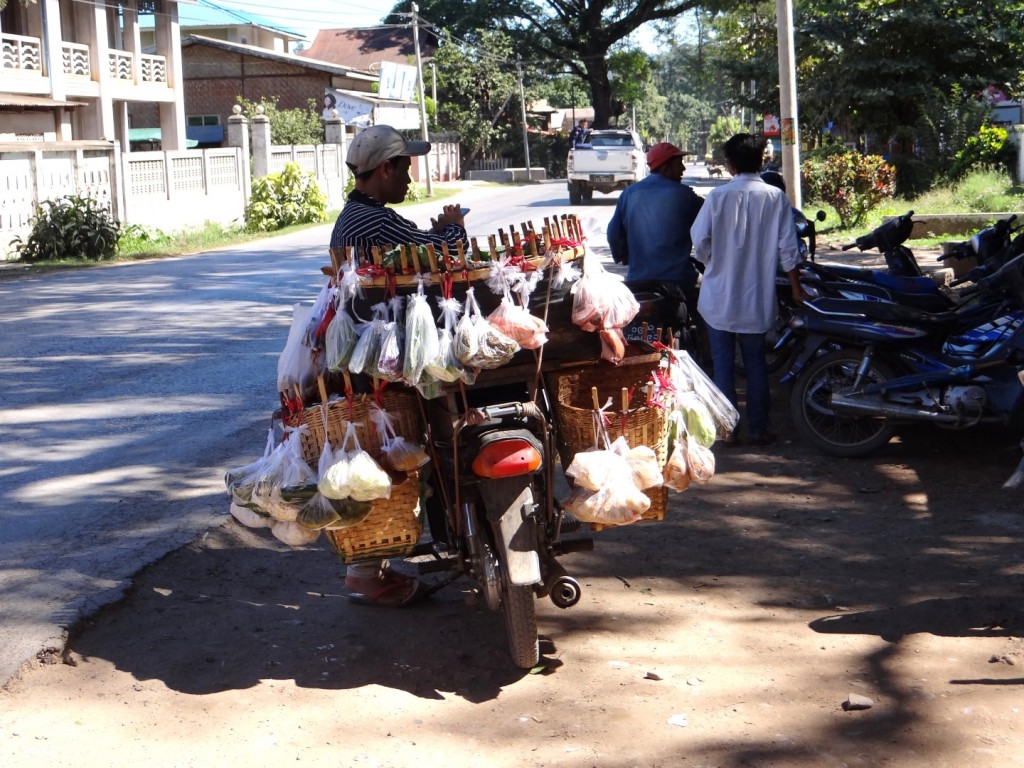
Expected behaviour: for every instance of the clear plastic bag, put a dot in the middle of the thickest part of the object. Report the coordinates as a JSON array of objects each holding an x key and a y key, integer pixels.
[
  {"x": 700, "y": 462},
  {"x": 445, "y": 366},
  {"x": 312, "y": 336},
  {"x": 700, "y": 424},
  {"x": 400, "y": 455},
  {"x": 240, "y": 481},
  {"x": 341, "y": 341},
  {"x": 595, "y": 469},
  {"x": 601, "y": 299},
  {"x": 477, "y": 343},
  {"x": 687, "y": 376},
  {"x": 516, "y": 322},
  {"x": 421, "y": 338},
  {"x": 611, "y": 505},
  {"x": 293, "y": 534},
  {"x": 250, "y": 518},
  {"x": 295, "y": 366},
  {"x": 371, "y": 338},
  {"x": 286, "y": 482},
  {"x": 366, "y": 480},
  {"x": 677, "y": 474}
]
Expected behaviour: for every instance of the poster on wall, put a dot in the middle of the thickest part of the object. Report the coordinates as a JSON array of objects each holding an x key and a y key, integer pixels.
[
  {"x": 772, "y": 126},
  {"x": 351, "y": 109}
]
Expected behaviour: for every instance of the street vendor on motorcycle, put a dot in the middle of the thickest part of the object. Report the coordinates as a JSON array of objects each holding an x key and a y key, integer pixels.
[{"x": 379, "y": 157}]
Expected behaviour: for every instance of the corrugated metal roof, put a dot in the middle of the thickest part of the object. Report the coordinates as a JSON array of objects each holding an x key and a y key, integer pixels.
[
  {"x": 35, "y": 102},
  {"x": 367, "y": 48},
  {"x": 203, "y": 13}
]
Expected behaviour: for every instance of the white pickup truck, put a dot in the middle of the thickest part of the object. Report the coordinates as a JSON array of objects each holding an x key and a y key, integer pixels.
[{"x": 607, "y": 160}]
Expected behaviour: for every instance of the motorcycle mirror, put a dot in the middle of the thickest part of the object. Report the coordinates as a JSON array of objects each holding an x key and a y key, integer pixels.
[{"x": 820, "y": 215}]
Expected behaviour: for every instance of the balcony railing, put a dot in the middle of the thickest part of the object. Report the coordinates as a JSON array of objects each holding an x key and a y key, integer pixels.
[
  {"x": 120, "y": 65},
  {"x": 20, "y": 52},
  {"x": 75, "y": 58},
  {"x": 152, "y": 69}
]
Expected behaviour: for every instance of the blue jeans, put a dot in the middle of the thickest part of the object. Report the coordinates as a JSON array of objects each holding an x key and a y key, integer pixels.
[{"x": 752, "y": 350}]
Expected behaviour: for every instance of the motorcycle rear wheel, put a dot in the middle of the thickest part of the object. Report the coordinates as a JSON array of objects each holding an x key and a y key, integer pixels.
[
  {"x": 810, "y": 404},
  {"x": 520, "y": 611}
]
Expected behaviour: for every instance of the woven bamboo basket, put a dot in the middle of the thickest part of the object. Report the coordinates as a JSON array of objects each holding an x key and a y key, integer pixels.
[
  {"x": 641, "y": 424},
  {"x": 391, "y": 530},
  {"x": 394, "y": 524}
]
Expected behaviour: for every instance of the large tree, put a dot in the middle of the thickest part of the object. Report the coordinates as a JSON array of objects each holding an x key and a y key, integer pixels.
[{"x": 573, "y": 35}]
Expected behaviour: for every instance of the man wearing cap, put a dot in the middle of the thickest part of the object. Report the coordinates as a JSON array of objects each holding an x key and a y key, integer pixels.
[
  {"x": 650, "y": 229},
  {"x": 380, "y": 159}
]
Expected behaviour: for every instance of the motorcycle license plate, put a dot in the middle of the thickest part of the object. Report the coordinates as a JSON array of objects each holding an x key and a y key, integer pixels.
[{"x": 602, "y": 177}]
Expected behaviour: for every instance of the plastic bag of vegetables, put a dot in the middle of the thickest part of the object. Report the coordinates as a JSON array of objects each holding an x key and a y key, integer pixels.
[
  {"x": 477, "y": 343},
  {"x": 366, "y": 480},
  {"x": 286, "y": 482},
  {"x": 445, "y": 366},
  {"x": 421, "y": 337},
  {"x": 341, "y": 340}
]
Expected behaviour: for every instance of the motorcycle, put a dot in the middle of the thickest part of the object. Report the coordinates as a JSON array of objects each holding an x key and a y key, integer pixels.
[
  {"x": 493, "y": 496},
  {"x": 989, "y": 247},
  {"x": 865, "y": 366}
]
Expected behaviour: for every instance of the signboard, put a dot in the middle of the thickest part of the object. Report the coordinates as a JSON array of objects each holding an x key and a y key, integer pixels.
[
  {"x": 1006, "y": 113},
  {"x": 351, "y": 109},
  {"x": 397, "y": 81},
  {"x": 772, "y": 126}
]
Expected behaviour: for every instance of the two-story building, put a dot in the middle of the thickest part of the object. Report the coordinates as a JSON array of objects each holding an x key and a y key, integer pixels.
[{"x": 71, "y": 69}]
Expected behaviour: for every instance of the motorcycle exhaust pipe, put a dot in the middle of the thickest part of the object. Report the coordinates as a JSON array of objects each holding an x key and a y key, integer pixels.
[
  {"x": 562, "y": 588},
  {"x": 844, "y": 404}
]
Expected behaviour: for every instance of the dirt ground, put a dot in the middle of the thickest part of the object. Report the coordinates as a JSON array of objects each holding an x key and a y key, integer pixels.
[{"x": 730, "y": 634}]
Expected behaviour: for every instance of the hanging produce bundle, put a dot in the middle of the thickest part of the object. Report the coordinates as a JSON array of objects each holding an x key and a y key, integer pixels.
[
  {"x": 445, "y": 366},
  {"x": 601, "y": 300},
  {"x": 285, "y": 482},
  {"x": 477, "y": 343},
  {"x": 421, "y": 337},
  {"x": 371, "y": 339}
]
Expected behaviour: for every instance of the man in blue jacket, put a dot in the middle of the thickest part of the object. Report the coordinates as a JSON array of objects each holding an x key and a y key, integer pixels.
[{"x": 650, "y": 229}]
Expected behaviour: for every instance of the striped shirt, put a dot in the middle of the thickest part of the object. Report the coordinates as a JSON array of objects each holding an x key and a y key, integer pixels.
[{"x": 365, "y": 223}]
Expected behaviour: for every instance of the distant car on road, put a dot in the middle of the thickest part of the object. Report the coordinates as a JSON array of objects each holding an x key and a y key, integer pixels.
[{"x": 607, "y": 160}]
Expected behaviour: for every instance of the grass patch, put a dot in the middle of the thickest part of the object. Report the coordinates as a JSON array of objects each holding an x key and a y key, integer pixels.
[{"x": 982, "y": 191}]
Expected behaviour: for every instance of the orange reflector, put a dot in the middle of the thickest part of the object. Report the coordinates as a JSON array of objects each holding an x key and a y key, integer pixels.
[{"x": 506, "y": 458}]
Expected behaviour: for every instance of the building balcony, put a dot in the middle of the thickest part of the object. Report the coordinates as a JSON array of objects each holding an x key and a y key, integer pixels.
[{"x": 133, "y": 76}]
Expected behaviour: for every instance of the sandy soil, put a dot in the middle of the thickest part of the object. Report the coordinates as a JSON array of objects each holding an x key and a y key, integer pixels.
[{"x": 729, "y": 635}]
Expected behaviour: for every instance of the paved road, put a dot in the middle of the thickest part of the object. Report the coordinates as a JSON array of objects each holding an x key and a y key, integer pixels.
[{"x": 126, "y": 390}]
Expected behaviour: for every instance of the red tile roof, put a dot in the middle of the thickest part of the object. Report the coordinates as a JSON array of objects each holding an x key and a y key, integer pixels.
[{"x": 367, "y": 48}]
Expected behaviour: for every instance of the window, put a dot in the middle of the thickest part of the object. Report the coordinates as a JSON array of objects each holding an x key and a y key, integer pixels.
[{"x": 197, "y": 120}]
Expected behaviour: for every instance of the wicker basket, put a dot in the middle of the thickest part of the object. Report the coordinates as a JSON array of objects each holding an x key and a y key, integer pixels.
[
  {"x": 394, "y": 524},
  {"x": 640, "y": 423},
  {"x": 391, "y": 530}
]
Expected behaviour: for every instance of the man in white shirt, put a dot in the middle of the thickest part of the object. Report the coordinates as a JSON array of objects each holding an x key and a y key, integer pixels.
[{"x": 743, "y": 231}]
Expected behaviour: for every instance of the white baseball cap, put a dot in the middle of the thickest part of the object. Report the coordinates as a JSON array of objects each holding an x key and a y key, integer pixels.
[{"x": 378, "y": 144}]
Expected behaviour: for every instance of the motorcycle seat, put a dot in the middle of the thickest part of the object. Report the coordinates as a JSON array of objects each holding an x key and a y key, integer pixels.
[{"x": 883, "y": 312}]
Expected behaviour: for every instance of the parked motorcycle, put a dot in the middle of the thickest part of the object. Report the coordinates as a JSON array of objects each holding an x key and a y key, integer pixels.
[
  {"x": 988, "y": 247},
  {"x": 866, "y": 366}
]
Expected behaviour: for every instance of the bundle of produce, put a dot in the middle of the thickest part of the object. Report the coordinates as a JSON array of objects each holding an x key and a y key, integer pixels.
[
  {"x": 354, "y": 474},
  {"x": 285, "y": 482},
  {"x": 399, "y": 454},
  {"x": 298, "y": 366},
  {"x": 477, "y": 343},
  {"x": 421, "y": 338},
  {"x": 326, "y": 509},
  {"x": 601, "y": 300},
  {"x": 607, "y": 484},
  {"x": 319, "y": 318},
  {"x": 445, "y": 366},
  {"x": 367, "y": 350},
  {"x": 341, "y": 340},
  {"x": 389, "y": 362},
  {"x": 684, "y": 386},
  {"x": 516, "y": 322}
]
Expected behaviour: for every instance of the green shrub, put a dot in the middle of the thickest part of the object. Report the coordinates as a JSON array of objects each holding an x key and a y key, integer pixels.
[
  {"x": 851, "y": 183},
  {"x": 70, "y": 227},
  {"x": 281, "y": 199},
  {"x": 988, "y": 147},
  {"x": 137, "y": 239}
]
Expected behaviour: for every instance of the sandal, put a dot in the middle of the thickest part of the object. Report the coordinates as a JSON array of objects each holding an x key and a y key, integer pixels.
[{"x": 393, "y": 591}]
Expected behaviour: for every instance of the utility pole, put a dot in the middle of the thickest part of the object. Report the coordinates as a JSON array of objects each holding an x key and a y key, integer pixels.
[
  {"x": 522, "y": 104},
  {"x": 787, "y": 93},
  {"x": 419, "y": 87}
]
